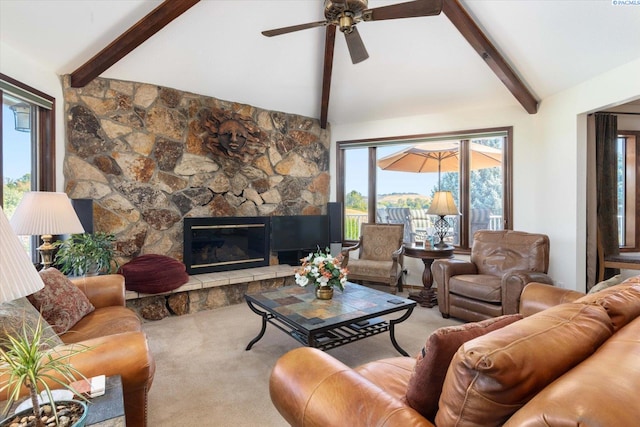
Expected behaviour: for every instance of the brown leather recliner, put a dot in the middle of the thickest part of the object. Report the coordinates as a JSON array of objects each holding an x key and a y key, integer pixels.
[{"x": 490, "y": 284}]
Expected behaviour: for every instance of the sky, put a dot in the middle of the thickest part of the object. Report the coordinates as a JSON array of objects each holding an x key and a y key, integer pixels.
[{"x": 16, "y": 150}]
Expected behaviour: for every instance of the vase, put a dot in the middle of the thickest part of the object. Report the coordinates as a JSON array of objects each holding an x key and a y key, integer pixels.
[{"x": 324, "y": 292}]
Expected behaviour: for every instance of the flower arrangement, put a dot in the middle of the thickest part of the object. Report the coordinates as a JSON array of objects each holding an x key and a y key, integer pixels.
[{"x": 321, "y": 269}]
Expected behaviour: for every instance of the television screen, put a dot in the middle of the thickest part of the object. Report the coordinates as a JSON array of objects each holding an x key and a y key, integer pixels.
[{"x": 299, "y": 232}]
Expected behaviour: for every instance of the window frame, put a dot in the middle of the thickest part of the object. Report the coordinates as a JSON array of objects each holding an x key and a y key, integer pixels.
[
  {"x": 632, "y": 192},
  {"x": 45, "y": 160},
  {"x": 464, "y": 135}
]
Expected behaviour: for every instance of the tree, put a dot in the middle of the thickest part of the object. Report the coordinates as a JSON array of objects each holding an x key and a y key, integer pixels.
[
  {"x": 355, "y": 200},
  {"x": 13, "y": 191}
]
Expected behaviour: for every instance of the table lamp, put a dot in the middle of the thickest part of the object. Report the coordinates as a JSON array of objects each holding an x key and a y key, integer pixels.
[
  {"x": 42, "y": 213},
  {"x": 442, "y": 205},
  {"x": 18, "y": 278}
]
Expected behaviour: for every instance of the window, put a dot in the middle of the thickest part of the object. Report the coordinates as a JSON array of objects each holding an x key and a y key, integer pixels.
[
  {"x": 628, "y": 196},
  {"x": 393, "y": 180},
  {"x": 27, "y": 145}
]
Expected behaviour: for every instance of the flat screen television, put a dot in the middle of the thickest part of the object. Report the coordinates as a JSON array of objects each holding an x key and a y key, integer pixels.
[{"x": 299, "y": 232}]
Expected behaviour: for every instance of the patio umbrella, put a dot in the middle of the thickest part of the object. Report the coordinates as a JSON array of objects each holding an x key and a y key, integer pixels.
[{"x": 440, "y": 157}]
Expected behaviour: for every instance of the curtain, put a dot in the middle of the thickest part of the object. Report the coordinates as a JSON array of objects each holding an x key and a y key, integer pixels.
[{"x": 606, "y": 128}]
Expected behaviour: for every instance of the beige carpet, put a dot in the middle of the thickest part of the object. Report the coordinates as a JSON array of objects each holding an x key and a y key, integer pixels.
[{"x": 204, "y": 376}]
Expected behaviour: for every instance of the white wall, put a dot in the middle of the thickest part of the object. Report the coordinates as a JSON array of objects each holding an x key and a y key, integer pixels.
[
  {"x": 549, "y": 159},
  {"x": 44, "y": 79}
]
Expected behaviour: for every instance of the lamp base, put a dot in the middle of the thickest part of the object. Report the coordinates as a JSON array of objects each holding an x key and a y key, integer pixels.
[{"x": 46, "y": 251}]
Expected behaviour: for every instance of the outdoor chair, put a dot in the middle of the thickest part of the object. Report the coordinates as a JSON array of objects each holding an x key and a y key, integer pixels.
[
  {"x": 379, "y": 257},
  {"x": 480, "y": 219},
  {"x": 419, "y": 224},
  {"x": 400, "y": 216},
  {"x": 490, "y": 284}
]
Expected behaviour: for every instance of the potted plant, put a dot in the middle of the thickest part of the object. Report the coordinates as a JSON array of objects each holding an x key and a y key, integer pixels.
[
  {"x": 25, "y": 361},
  {"x": 324, "y": 271},
  {"x": 86, "y": 254}
]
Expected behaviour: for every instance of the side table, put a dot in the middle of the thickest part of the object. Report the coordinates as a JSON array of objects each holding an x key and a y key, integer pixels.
[
  {"x": 427, "y": 296},
  {"x": 108, "y": 410}
]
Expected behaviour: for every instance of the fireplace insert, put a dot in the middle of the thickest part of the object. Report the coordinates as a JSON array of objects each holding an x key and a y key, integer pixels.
[{"x": 225, "y": 243}]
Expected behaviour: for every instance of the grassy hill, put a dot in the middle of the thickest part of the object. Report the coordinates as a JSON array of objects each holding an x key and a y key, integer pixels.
[{"x": 393, "y": 198}]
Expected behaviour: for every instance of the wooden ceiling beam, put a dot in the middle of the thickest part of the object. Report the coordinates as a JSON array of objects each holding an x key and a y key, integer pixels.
[
  {"x": 329, "y": 43},
  {"x": 479, "y": 41},
  {"x": 157, "y": 19}
]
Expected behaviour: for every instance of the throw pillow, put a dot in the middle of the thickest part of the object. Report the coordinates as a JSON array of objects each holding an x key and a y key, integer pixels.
[
  {"x": 60, "y": 302},
  {"x": 425, "y": 384},
  {"x": 153, "y": 274},
  {"x": 606, "y": 283},
  {"x": 19, "y": 315}
]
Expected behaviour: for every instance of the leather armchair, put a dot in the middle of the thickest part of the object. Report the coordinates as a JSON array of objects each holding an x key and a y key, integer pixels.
[
  {"x": 491, "y": 283},
  {"x": 380, "y": 256}
]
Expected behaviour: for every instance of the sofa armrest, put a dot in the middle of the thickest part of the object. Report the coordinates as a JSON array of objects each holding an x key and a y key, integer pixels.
[
  {"x": 512, "y": 285},
  {"x": 540, "y": 296},
  {"x": 443, "y": 269},
  {"x": 103, "y": 291},
  {"x": 310, "y": 388},
  {"x": 125, "y": 354}
]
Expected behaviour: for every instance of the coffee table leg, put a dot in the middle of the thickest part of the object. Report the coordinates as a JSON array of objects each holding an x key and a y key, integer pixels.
[
  {"x": 392, "y": 333},
  {"x": 264, "y": 325}
]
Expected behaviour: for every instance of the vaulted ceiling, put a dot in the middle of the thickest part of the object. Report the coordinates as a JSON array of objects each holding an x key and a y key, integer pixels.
[{"x": 416, "y": 65}]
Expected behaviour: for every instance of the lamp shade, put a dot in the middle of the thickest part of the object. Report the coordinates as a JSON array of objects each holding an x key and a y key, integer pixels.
[
  {"x": 443, "y": 204},
  {"x": 18, "y": 277},
  {"x": 41, "y": 212}
]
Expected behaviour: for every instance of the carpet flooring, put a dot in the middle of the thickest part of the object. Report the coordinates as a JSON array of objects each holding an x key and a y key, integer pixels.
[{"x": 204, "y": 376}]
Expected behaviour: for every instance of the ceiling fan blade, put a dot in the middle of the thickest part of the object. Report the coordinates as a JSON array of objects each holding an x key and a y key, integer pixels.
[
  {"x": 285, "y": 30},
  {"x": 356, "y": 47},
  {"x": 410, "y": 9}
]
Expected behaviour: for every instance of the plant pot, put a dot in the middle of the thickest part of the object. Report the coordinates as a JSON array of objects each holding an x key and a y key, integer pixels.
[
  {"x": 324, "y": 292},
  {"x": 80, "y": 422}
]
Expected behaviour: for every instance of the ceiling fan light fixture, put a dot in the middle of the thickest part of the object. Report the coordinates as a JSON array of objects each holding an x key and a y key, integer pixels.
[{"x": 346, "y": 22}]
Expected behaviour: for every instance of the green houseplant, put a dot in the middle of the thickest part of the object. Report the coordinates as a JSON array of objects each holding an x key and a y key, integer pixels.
[
  {"x": 26, "y": 361},
  {"x": 86, "y": 254}
]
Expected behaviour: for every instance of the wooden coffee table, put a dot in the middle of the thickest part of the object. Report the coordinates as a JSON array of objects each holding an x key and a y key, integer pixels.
[{"x": 350, "y": 316}]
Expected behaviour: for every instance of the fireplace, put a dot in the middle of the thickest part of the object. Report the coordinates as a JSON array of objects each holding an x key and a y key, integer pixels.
[{"x": 225, "y": 243}]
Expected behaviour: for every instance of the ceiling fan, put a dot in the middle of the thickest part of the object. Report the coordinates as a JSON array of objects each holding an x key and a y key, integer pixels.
[{"x": 345, "y": 14}]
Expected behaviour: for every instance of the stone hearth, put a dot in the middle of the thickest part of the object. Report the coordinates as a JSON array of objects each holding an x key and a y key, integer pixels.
[{"x": 210, "y": 290}]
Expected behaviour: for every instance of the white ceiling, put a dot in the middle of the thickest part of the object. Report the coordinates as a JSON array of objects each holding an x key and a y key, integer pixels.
[{"x": 416, "y": 66}]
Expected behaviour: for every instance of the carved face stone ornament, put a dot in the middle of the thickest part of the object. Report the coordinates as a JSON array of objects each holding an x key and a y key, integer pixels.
[{"x": 232, "y": 135}]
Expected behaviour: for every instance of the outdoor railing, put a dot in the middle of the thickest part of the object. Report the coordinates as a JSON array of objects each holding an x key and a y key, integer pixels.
[{"x": 353, "y": 221}]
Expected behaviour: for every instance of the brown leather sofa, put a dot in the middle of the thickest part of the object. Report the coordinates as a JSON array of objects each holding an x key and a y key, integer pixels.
[
  {"x": 572, "y": 360},
  {"x": 117, "y": 346},
  {"x": 490, "y": 283}
]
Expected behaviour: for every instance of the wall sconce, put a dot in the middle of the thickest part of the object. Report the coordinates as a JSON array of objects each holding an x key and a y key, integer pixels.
[{"x": 22, "y": 116}]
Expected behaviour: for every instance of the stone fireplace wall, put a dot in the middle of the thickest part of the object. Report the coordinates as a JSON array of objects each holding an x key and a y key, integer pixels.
[{"x": 149, "y": 156}]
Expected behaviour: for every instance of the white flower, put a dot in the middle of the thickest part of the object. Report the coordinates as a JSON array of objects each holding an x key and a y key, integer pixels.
[{"x": 302, "y": 280}]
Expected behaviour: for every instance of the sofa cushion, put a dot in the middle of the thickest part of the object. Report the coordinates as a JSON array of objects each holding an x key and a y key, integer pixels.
[
  {"x": 19, "y": 315},
  {"x": 153, "y": 274},
  {"x": 492, "y": 376},
  {"x": 615, "y": 280},
  {"x": 605, "y": 383},
  {"x": 60, "y": 302},
  {"x": 102, "y": 322},
  {"x": 425, "y": 384},
  {"x": 481, "y": 287},
  {"x": 622, "y": 301}
]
